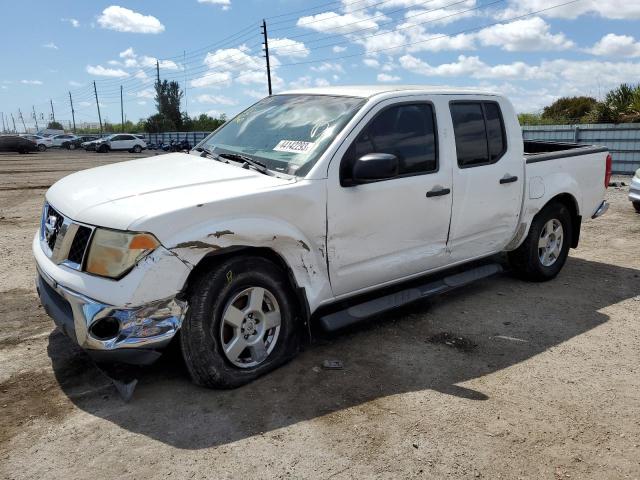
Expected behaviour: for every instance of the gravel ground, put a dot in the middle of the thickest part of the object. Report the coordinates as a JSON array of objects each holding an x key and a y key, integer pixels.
[{"x": 503, "y": 379}]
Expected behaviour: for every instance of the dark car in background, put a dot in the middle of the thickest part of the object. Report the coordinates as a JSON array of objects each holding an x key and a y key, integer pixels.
[
  {"x": 78, "y": 141},
  {"x": 15, "y": 143}
]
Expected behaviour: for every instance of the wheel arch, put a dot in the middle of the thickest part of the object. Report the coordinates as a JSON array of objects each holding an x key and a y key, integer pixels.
[{"x": 214, "y": 259}]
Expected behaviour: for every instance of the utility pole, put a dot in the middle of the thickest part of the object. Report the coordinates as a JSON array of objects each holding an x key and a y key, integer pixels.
[
  {"x": 4, "y": 129},
  {"x": 35, "y": 118},
  {"x": 266, "y": 53},
  {"x": 121, "y": 111},
  {"x": 158, "y": 71},
  {"x": 95, "y": 90},
  {"x": 14, "y": 124},
  {"x": 184, "y": 63},
  {"x": 22, "y": 118},
  {"x": 73, "y": 113},
  {"x": 53, "y": 115}
]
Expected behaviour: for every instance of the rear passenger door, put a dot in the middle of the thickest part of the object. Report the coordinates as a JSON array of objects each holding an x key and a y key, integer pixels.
[
  {"x": 395, "y": 228},
  {"x": 118, "y": 142},
  {"x": 487, "y": 179}
]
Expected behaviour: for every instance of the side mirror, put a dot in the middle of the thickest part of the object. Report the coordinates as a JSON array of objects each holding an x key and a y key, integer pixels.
[{"x": 374, "y": 167}]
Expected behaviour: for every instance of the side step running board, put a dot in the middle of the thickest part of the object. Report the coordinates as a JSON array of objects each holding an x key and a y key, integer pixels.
[{"x": 361, "y": 311}]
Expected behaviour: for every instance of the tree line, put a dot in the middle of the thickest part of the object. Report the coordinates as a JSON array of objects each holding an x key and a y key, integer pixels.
[
  {"x": 620, "y": 105},
  {"x": 169, "y": 117}
]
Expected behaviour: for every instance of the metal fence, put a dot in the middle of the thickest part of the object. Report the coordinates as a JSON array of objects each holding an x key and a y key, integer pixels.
[
  {"x": 166, "y": 137},
  {"x": 622, "y": 140}
]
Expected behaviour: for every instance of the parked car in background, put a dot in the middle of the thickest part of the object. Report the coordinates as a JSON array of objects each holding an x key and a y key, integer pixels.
[
  {"x": 16, "y": 143},
  {"x": 293, "y": 211},
  {"x": 78, "y": 141},
  {"x": 90, "y": 146},
  {"x": 634, "y": 191},
  {"x": 121, "y": 141},
  {"x": 41, "y": 142},
  {"x": 49, "y": 132},
  {"x": 59, "y": 140}
]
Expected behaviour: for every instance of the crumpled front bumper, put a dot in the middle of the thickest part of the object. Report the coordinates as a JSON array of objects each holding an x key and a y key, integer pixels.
[{"x": 108, "y": 333}]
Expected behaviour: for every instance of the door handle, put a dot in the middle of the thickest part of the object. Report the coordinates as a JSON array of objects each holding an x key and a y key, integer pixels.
[
  {"x": 508, "y": 179},
  {"x": 438, "y": 193}
]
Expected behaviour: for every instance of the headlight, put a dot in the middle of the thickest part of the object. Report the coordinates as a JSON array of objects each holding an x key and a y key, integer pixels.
[{"x": 113, "y": 253}]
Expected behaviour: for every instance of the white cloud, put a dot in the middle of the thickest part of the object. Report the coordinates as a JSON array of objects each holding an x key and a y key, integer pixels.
[
  {"x": 616, "y": 46},
  {"x": 530, "y": 34},
  {"x": 612, "y": 9},
  {"x": 384, "y": 77},
  {"x": 225, "y": 4},
  {"x": 74, "y": 23},
  {"x": 124, "y": 20},
  {"x": 322, "y": 82},
  {"x": 141, "y": 102},
  {"x": 73, "y": 83},
  {"x": 212, "y": 79},
  {"x": 332, "y": 22},
  {"x": 146, "y": 93},
  {"x": 288, "y": 48},
  {"x": 254, "y": 94},
  {"x": 217, "y": 99},
  {"x": 101, "y": 71},
  {"x": 371, "y": 62},
  {"x": 85, "y": 103},
  {"x": 31, "y": 82},
  {"x": 474, "y": 67},
  {"x": 328, "y": 67},
  {"x": 338, "y": 49},
  {"x": 128, "y": 53},
  {"x": 50, "y": 45}
]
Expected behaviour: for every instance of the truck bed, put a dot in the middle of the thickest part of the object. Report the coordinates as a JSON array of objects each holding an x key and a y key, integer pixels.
[{"x": 540, "y": 151}]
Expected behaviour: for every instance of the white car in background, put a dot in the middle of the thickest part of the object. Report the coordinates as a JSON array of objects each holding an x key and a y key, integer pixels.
[
  {"x": 59, "y": 140},
  {"x": 121, "y": 141},
  {"x": 634, "y": 191},
  {"x": 42, "y": 142}
]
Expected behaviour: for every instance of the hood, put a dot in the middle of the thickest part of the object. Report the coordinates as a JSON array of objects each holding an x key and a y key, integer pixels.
[{"x": 116, "y": 195}]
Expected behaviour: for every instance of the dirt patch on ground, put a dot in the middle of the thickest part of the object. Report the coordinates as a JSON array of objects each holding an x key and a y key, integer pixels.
[{"x": 523, "y": 381}]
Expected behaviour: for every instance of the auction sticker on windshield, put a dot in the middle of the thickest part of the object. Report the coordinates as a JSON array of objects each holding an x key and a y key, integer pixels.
[{"x": 293, "y": 146}]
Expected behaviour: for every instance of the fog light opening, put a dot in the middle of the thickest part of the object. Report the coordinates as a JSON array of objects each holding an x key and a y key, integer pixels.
[{"x": 105, "y": 328}]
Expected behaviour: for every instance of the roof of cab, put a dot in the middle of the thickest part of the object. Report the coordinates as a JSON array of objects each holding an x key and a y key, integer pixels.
[{"x": 367, "y": 91}]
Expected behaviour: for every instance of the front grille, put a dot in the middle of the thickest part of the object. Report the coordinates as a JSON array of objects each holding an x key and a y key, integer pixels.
[
  {"x": 79, "y": 245},
  {"x": 63, "y": 240}
]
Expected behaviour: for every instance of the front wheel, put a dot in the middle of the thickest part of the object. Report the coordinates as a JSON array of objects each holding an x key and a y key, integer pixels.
[
  {"x": 544, "y": 252},
  {"x": 137, "y": 149},
  {"x": 42, "y": 147},
  {"x": 71, "y": 146},
  {"x": 103, "y": 149},
  {"x": 636, "y": 205},
  {"x": 241, "y": 323}
]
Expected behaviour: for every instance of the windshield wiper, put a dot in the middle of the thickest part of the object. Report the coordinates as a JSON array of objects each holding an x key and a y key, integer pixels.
[
  {"x": 205, "y": 152},
  {"x": 259, "y": 166}
]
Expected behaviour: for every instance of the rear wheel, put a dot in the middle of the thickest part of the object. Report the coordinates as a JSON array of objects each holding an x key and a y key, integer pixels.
[
  {"x": 137, "y": 149},
  {"x": 636, "y": 205},
  {"x": 103, "y": 149},
  {"x": 544, "y": 252},
  {"x": 72, "y": 146},
  {"x": 241, "y": 323},
  {"x": 42, "y": 147}
]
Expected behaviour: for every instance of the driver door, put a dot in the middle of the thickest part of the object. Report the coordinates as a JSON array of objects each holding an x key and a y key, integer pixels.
[{"x": 396, "y": 228}]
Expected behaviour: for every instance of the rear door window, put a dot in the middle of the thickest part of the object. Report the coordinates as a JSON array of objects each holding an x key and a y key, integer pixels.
[{"x": 479, "y": 132}]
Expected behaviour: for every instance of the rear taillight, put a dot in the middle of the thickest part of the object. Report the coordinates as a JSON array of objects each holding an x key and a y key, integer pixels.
[{"x": 607, "y": 174}]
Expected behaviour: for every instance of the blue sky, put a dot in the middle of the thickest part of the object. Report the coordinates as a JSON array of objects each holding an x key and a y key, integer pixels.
[{"x": 583, "y": 48}]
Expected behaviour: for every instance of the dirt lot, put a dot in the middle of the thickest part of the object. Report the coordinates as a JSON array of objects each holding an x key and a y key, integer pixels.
[{"x": 546, "y": 383}]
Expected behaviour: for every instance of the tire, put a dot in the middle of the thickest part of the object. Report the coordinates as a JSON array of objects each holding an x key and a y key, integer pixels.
[
  {"x": 636, "y": 205},
  {"x": 206, "y": 331},
  {"x": 137, "y": 149},
  {"x": 103, "y": 149},
  {"x": 71, "y": 146},
  {"x": 539, "y": 264},
  {"x": 42, "y": 147}
]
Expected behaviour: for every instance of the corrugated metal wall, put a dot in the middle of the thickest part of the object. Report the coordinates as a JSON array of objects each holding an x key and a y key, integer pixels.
[{"x": 622, "y": 140}]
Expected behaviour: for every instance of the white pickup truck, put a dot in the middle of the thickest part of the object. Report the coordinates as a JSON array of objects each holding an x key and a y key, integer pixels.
[{"x": 327, "y": 205}]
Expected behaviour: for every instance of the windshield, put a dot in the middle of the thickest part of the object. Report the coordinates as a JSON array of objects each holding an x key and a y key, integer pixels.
[{"x": 287, "y": 133}]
